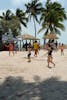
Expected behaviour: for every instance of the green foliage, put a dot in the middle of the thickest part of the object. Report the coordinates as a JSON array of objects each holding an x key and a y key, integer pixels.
[
  {"x": 33, "y": 9},
  {"x": 52, "y": 16},
  {"x": 12, "y": 21},
  {"x": 21, "y": 17}
]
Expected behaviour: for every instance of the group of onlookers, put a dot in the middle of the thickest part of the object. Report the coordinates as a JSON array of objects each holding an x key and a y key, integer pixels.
[
  {"x": 50, "y": 47},
  {"x": 13, "y": 47}
]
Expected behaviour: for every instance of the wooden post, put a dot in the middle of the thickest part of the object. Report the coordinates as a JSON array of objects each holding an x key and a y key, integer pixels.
[
  {"x": 44, "y": 40},
  {"x": 20, "y": 45}
]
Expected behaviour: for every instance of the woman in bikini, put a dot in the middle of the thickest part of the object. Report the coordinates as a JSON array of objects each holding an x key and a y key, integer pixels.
[{"x": 50, "y": 58}]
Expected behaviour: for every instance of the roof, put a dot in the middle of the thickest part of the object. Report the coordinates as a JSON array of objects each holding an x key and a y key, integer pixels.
[
  {"x": 27, "y": 37},
  {"x": 51, "y": 36}
]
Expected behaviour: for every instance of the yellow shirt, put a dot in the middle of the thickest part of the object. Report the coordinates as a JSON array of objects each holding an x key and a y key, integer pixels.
[{"x": 36, "y": 46}]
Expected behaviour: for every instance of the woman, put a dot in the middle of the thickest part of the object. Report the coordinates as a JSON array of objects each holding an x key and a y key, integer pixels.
[{"x": 50, "y": 58}]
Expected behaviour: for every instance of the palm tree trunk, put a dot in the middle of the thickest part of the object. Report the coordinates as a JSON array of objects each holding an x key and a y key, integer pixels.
[
  {"x": 44, "y": 41},
  {"x": 34, "y": 26}
]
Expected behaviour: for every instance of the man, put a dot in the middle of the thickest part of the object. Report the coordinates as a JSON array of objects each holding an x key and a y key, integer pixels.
[{"x": 36, "y": 47}]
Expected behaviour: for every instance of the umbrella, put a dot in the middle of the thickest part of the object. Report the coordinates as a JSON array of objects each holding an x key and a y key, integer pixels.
[
  {"x": 50, "y": 36},
  {"x": 27, "y": 37}
]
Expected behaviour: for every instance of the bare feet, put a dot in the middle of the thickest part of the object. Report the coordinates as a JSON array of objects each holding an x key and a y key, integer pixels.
[
  {"x": 29, "y": 60},
  {"x": 54, "y": 65},
  {"x": 49, "y": 67}
]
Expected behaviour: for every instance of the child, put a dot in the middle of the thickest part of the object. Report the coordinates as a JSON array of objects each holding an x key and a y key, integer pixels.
[{"x": 29, "y": 52}]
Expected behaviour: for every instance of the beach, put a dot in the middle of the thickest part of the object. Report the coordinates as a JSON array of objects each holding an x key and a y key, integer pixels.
[{"x": 21, "y": 80}]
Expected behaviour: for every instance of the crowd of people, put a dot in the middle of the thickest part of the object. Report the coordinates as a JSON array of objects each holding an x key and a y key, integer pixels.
[{"x": 50, "y": 47}]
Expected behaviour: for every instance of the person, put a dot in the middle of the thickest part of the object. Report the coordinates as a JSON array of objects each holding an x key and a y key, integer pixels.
[
  {"x": 26, "y": 45},
  {"x": 23, "y": 46},
  {"x": 62, "y": 49},
  {"x": 56, "y": 44},
  {"x": 10, "y": 48},
  {"x": 29, "y": 52},
  {"x": 36, "y": 47},
  {"x": 16, "y": 47},
  {"x": 50, "y": 58}
]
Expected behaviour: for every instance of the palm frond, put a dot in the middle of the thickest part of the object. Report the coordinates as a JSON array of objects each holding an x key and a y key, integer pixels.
[
  {"x": 61, "y": 26},
  {"x": 57, "y": 31},
  {"x": 40, "y": 30}
]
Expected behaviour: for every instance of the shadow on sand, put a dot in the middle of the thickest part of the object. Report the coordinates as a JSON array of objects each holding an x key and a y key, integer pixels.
[{"x": 15, "y": 88}]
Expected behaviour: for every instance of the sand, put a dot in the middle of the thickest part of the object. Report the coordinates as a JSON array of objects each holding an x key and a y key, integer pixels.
[{"x": 20, "y": 80}]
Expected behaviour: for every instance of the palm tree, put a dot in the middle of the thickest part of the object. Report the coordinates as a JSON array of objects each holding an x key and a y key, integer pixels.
[
  {"x": 7, "y": 15},
  {"x": 21, "y": 17},
  {"x": 33, "y": 9},
  {"x": 7, "y": 19},
  {"x": 4, "y": 17},
  {"x": 52, "y": 17},
  {"x": 4, "y": 20},
  {"x": 15, "y": 26},
  {"x": 13, "y": 21},
  {"x": 4, "y": 24}
]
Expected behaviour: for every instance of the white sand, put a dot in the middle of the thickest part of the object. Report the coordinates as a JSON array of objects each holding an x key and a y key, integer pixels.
[
  {"x": 35, "y": 71},
  {"x": 18, "y": 66}
]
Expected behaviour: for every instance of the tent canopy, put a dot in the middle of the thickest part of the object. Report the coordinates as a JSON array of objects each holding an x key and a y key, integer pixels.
[
  {"x": 50, "y": 36},
  {"x": 27, "y": 37}
]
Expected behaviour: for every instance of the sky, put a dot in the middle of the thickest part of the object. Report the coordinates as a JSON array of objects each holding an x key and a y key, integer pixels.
[{"x": 14, "y": 4}]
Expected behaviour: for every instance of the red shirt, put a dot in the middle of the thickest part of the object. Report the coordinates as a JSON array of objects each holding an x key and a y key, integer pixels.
[{"x": 11, "y": 47}]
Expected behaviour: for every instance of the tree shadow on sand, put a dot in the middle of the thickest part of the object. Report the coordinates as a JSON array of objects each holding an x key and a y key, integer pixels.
[{"x": 15, "y": 88}]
